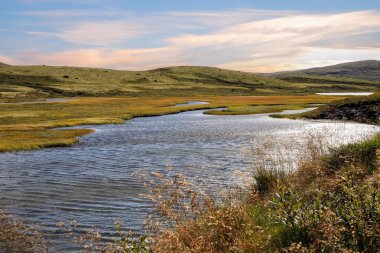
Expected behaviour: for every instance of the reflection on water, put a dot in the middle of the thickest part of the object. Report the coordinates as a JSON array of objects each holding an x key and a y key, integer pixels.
[
  {"x": 91, "y": 182},
  {"x": 346, "y": 93},
  {"x": 192, "y": 103},
  {"x": 47, "y": 100}
]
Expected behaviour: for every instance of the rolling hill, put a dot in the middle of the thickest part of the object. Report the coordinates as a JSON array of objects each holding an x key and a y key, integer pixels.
[
  {"x": 363, "y": 70},
  {"x": 29, "y": 82},
  {"x": 3, "y": 64}
]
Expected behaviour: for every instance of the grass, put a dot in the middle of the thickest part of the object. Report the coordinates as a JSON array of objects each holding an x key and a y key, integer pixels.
[
  {"x": 23, "y": 140},
  {"x": 15, "y": 236},
  {"x": 30, "y": 126}
]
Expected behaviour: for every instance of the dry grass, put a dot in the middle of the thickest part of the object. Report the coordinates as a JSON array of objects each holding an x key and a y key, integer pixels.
[
  {"x": 330, "y": 204},
  {"x": 18, "y": 237}
]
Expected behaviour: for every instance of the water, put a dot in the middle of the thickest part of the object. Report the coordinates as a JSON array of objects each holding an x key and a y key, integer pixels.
[
  {"x": 346, "y": 93},
  {"x": 92, "y": 184},
  {"x": 47, "y": 100},
  {"x": 192, "y": 103}
]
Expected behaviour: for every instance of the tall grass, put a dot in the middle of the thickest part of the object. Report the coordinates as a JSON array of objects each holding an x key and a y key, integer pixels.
[{"x": 313, "y": 209}]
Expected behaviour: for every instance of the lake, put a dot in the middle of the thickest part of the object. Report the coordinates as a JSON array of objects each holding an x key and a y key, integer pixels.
[{"x": 91, "y": 182}]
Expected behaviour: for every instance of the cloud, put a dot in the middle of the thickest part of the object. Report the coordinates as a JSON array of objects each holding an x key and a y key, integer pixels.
[
  {"x": 249, "y": 40},
  {"x": 117, "y": 59},
  {"x": 277, "y": 44},
  {"x": 102, "y": 33}
]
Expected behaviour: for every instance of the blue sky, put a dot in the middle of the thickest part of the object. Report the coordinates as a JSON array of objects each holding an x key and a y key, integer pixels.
[{"x": 248, "y": 35}]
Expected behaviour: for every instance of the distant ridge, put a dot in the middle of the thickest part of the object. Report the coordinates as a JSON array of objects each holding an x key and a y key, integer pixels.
[
  {"x": 3, "y": 64},
  {"x": 364, "y": 70}
]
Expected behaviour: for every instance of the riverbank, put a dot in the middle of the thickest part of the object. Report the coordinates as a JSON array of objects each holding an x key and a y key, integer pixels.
[
  {"x": 363, "y": 110},
  {"x": 31, "y": 126},
  {"x": 330, "y": 204}
]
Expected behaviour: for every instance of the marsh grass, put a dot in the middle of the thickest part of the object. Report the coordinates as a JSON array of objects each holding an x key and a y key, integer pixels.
[{"x": 30, "y": 126}]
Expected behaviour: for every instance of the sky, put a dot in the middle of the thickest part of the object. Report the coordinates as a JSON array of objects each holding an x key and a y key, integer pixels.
[{"x": 246, "y": 35}]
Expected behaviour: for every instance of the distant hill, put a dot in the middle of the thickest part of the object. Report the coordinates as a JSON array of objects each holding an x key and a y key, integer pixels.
[
  {"x": 363, "y": 70},
  {"x": 3, "y": 64}
]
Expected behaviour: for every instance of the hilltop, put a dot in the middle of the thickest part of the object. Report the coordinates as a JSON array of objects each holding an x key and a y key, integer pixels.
[
  {"x": 31, "y": 82},
  {"x": 3, "y": 64},
  {"x": 360, "y": 70}
]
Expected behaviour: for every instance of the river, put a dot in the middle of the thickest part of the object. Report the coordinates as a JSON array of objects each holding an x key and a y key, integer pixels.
[{"x": 91, "y": 182}]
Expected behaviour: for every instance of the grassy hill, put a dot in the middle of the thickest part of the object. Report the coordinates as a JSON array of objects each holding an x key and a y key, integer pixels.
[
  {"x": 31, "y": 82},
  {"x": 352, "y": 76},
  {"x": 44, "y": 81}
]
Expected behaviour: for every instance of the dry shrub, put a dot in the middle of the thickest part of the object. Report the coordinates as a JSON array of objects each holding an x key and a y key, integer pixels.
[
  {"x": 15, "y": 236},
  {"x": 216, "y": 231},
  {"x": 187, "y": 219}
]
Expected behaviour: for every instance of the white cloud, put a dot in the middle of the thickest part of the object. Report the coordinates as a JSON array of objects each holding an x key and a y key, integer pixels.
[{"x": 102, "y": 33}]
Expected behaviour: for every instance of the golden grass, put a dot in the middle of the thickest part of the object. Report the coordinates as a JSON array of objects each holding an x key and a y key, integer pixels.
[{"x": 29, "y": 126}]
